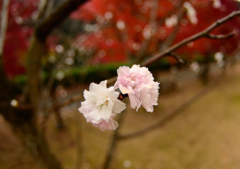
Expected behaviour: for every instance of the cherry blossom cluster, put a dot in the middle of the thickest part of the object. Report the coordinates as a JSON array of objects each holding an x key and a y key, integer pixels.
[{"x": 101, "y": 104}]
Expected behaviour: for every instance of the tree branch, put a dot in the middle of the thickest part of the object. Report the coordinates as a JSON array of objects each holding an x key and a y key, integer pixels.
[
  {"x": 175, "y": 30},
  {"x": 4, "y": 22},
  {"x": 152, "y": 24},
  {"x": 42, "y": 30},
  {"x": 224, "y": 36},
  {"x": 53, "y": 20},
  {"x": 204, "y": 33},
  {"x": 177, "y": 58}
]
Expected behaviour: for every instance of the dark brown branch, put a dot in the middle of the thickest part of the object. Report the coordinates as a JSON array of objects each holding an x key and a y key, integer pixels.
[
  {"x": 62, "y": 12},
  {"x": 43, "y": 29},
  {"x": 177, "y": 111},
  {"x": 177, "y": 58},
  {"x": 176, "y": 6},
  {"x": 168, "y": 42},
  {"x": 199, "y": 35}
]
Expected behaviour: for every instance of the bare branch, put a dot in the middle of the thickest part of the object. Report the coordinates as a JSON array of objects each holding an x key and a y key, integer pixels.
[
  {"x": 6, "y": 92},
  {"x": 225, "y": 36},
  {"x": 152, "y": 24},
  {"x": 173, "y": 34},
  {"x": 3, "y": 30},
  {"x": 43, "y": 29},
  {"x": 53, "y": 20},
  {"x": 123, "y": 36},
  {"x": 199, "y": 35},
  {"x": 176, "y": 6},
  {"x": 177, "y": 58}
]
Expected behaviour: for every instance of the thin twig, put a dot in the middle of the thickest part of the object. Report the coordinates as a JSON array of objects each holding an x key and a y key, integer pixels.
[
  {"x": 169, "y": 40},
  {"x": 123, "y": 37},
  {"x": 176, "y": 6},
  {"x": 177, "y": 57},
  {"x": 223, "y": 36},
  {"x": 54, "y": 19},
  {"x": 204, "y": 33},
  {"x": 152, "y": 24}
]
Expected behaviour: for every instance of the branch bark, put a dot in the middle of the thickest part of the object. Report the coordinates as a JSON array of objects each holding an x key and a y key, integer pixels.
[
  {"x": 4, "y": 22},
  {"x": 42, "y": 30},
  {"x": 45, "y": 27}
]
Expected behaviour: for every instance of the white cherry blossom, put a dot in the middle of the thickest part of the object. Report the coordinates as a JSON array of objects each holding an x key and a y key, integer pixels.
[{"x": 101, "y": 105}]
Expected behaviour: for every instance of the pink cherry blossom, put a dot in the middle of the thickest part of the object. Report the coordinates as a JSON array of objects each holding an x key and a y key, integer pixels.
[
  {"x": 139, "y": 84},
  {"x": 101, "y": 105}
]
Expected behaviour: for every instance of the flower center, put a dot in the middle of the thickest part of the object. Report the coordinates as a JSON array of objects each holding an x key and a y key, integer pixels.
[
  {"x": 104, "y": 104},
  {"x": 102, "y": 101}
]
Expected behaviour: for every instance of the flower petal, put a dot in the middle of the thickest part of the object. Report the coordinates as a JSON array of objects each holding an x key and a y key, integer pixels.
[
  {"x": 103, "y": 125},
  {"x": 119, "y": 106}
]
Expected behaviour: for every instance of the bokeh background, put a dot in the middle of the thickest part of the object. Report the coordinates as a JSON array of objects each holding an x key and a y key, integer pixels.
[{"x": 89, "y": 45}]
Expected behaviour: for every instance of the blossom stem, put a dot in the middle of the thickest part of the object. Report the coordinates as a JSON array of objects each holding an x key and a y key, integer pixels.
[{"x": 122, "y": 96}]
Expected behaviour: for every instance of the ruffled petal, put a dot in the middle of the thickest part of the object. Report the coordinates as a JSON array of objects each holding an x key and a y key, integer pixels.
[
  {"x": 139, "y": 84},
  {"x": 119, "y": 106},
  {"x": 103, "y": 125}
]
